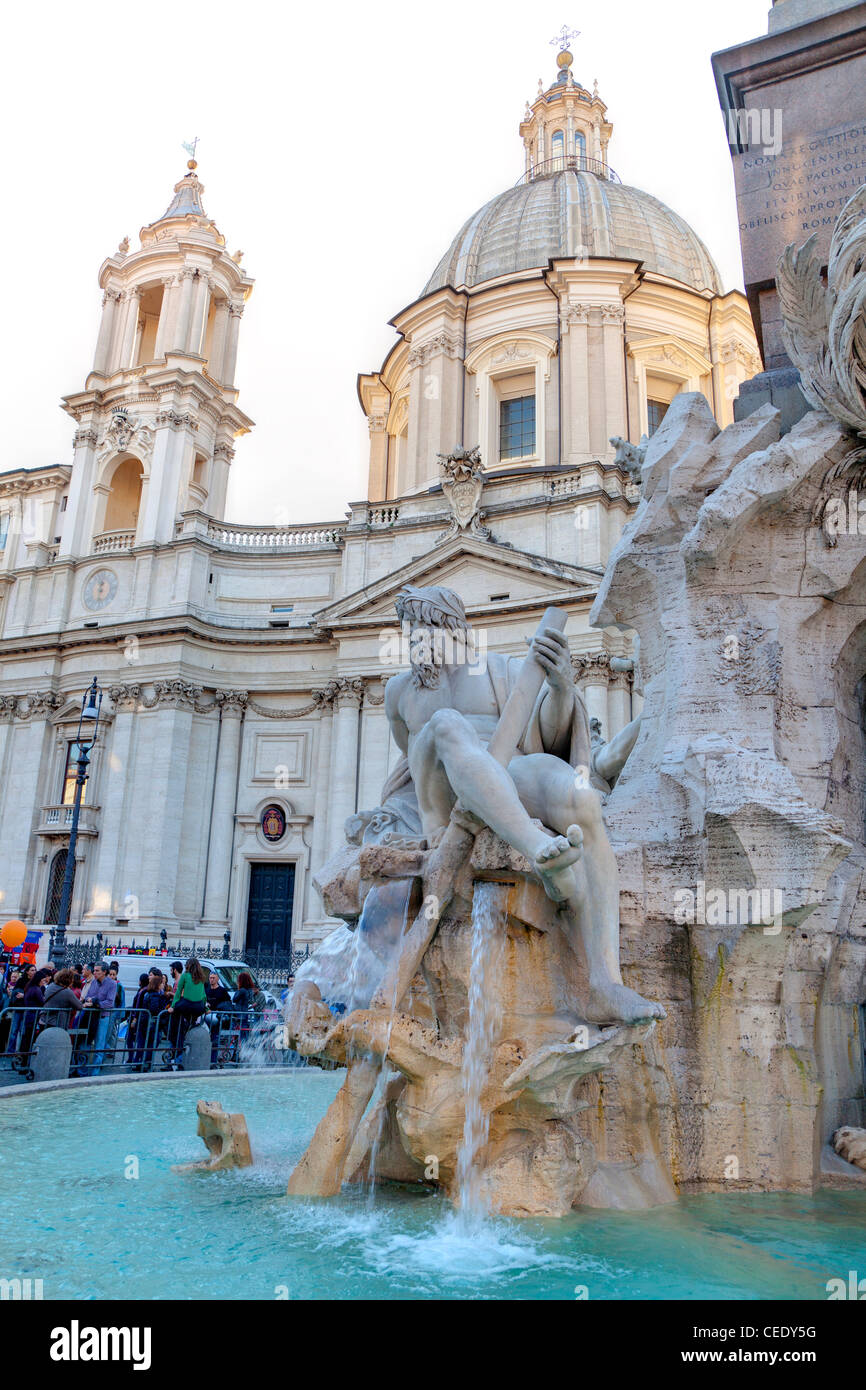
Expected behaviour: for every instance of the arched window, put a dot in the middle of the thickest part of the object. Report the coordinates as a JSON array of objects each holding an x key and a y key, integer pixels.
[
  {"x": 55, "y": 887},
  {"x": 124, "y": 498},
  {"x": 557, "y": 149},
  {"x": 580, "y": 148}
]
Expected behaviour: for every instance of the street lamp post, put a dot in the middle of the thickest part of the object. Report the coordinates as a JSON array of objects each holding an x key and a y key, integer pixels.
[{"x": 88, "y": 723}]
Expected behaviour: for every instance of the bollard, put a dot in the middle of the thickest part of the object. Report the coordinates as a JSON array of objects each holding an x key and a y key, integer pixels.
[
  {"x": 52, "y": 1052},
  {"x": 196, "y": 1053}
]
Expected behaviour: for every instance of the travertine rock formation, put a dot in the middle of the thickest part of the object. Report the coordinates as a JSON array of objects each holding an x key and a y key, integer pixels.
[
  {"x": 535, "y": 1161},
  {"x": 225, "y": 1137},
  {"x": 738, "y": 820}
]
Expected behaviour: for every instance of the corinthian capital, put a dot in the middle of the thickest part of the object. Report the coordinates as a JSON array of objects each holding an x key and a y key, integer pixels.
[
  {"x": 231, "y": 702},
  {"x": 349, "y": 692},
  {"x": 593, "y": 667},
  {"x": 124, "y": 695}
]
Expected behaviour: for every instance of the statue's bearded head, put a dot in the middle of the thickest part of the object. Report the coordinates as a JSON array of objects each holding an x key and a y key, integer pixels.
[{"x": 436, "y": 623}]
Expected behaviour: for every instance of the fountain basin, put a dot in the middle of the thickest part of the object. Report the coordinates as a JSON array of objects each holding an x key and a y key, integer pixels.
[{"x": 90, "y": 1232}]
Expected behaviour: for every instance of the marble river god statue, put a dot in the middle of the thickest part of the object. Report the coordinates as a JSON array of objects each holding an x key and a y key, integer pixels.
[{"x": 499, "y": 785}]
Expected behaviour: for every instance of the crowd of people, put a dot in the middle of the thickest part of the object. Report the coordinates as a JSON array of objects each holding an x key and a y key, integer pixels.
[{"x": 90, "y": 1004}]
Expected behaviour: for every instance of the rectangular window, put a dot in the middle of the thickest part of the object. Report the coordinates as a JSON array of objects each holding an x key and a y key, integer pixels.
[
  {"x": 4, "y": 529},
  {"x": 656, "y": 412},
  {"x": 517, "y": 428},
  {"x": 70, "y": 773}
]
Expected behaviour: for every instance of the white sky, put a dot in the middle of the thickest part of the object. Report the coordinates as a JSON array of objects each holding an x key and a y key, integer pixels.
[{"x": 341, "y": 149}]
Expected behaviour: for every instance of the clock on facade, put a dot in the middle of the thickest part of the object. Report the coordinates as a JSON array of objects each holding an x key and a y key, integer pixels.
[{"x": 100, "y": 589}]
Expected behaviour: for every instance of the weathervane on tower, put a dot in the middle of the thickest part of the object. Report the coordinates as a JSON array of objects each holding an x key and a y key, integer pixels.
[{"x": 190, "y": 147}]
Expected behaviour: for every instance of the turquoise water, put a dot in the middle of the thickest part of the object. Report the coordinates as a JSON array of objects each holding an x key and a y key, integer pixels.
[{"x": 73, "y": 1219}]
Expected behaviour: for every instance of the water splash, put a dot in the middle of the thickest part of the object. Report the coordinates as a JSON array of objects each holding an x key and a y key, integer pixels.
[{"x": 482, "y": 1034}]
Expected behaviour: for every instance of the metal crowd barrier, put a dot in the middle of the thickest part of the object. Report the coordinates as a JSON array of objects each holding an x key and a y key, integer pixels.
[{"x": 135, "y": 1040}]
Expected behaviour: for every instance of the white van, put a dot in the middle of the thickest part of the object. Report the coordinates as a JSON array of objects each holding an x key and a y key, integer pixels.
[{"x": 130, "y": 967}]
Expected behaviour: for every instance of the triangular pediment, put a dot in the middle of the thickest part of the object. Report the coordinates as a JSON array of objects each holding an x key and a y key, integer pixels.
[{"x": 479, "y": 571}]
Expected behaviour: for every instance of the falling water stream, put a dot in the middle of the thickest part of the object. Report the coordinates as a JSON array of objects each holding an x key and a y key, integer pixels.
[
  {"x": 482, "y": 1034},
  {"x": 386, "y": 1075}
]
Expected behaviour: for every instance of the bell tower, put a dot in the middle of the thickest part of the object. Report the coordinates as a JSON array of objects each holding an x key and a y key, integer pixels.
[{"x": 158, "y": 416}]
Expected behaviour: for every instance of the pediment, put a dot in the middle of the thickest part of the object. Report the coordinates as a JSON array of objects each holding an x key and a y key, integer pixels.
[
  {"x": 670, "y": 354},
  {"x": 70, "y": 712},
  {"x": 477, "y": 570}
]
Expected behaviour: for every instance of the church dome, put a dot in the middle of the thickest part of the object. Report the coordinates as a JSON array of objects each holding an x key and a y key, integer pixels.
[{"x": 569, "y": 213}]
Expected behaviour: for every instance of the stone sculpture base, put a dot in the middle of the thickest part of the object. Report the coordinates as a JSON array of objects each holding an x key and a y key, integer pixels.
[
  {"x": 541, "y": 1158},
  {"x": 225, "y": 1137}
]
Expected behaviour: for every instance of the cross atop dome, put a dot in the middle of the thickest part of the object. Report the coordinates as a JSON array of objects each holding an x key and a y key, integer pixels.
[
  {"x": 564, "y": 38},
  {"x": 565, "y": 57}
]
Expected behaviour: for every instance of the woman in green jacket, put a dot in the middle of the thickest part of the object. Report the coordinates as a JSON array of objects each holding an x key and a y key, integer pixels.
[{"x": 189, "y": 1003}]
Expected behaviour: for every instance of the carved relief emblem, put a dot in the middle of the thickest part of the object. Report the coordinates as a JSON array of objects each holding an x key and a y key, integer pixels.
[
  {"x": 463, "y": 484},
  {"x": 126, "y": 431}
]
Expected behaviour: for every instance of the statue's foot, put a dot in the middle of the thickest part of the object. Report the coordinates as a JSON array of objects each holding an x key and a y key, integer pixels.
[
  {"x": 554, "y": 860},
  {"x": 615, "y": 1003}
]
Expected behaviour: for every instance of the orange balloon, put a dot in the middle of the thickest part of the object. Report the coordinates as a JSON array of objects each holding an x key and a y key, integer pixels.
[{"x": 13, "y": 934}]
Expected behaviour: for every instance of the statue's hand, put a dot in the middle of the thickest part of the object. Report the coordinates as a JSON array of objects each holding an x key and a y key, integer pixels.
[{"x": 550, "y": 649}]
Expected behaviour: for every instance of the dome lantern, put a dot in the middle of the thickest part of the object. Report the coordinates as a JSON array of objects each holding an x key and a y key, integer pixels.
[{"x": 566, "y": 127}]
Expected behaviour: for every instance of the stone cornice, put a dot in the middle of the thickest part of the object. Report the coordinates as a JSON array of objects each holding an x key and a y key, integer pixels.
[
  {"x": 180, "y": 694},
  {"x": 39, "y": 704},
  {"x": 33, "y": 480}
]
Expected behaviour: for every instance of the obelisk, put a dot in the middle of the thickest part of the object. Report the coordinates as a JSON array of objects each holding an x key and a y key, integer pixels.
[{"x": 794, "y": 104}]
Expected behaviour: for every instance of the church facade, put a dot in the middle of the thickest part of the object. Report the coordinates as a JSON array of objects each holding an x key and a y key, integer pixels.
[{"x": 243, "y": 667}]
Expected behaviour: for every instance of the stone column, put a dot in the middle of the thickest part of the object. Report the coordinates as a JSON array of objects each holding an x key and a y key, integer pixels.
[
  {"x": 575, "y": 380},
  {"x": 159, "y": 508},
  {"x": 166, "y": 312},
  {"x": 162, "y": 754},
  {"x": 231, "y": 352},
  {"x": 612, "y": 319},
  {"x": 221, "y": 466},
  {"x": 375, "y": 737},
  {"x": 130, "y": 328},
  {"x": 319, "y": 850},
  {"x": 76, "y": 522},
  {"x": 378, "y": 458},
  {"x": 593, "y": 672},
  {"x": 117, "y": 812},
  {"x": 438, "y": 406},
  {"x": 619, "y": 701},
  {"x": 218, "y": 339},
  {"x": 102, "y": 355},
  {"x": 182, "y": 320},
  {"x": 344, "y": 761},
  {"x": 222, "y": 822},
  {"x": 410, "y": 472},
  {"x": 23, "y": 790},
  {"x": 198, "y": 317}
]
